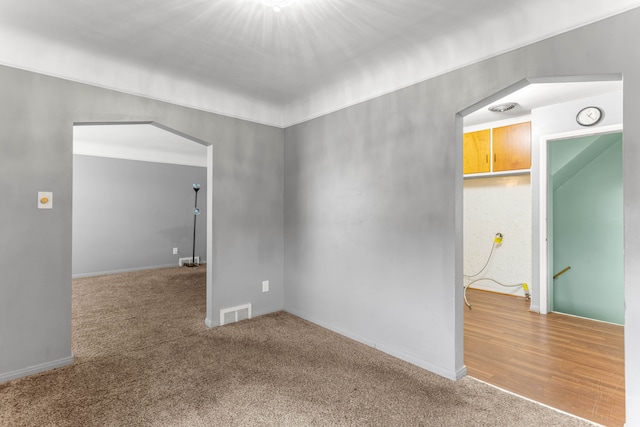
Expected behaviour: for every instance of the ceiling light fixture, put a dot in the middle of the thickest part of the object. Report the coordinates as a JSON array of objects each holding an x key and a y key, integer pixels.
[
  {"x": 276, "y": 5},
  {"x": 501, "y": 108}
]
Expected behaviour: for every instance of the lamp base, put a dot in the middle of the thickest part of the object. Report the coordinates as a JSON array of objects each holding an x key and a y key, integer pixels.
[{"x": 190, "y": 264}]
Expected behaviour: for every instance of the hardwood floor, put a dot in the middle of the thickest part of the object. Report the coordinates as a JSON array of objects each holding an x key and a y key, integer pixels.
[{"x": 572, "y": 364}]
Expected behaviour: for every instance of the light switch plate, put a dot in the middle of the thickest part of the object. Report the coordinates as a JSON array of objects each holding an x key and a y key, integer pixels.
[
  {"x": 45, "y": 200},
  {"x": 265, "y": 286}
]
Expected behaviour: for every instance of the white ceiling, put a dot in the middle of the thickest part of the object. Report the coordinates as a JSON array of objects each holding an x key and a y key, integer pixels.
[
  {"x": 242, "y": 59},
  {"x": 143, "y": 142},
  {"x": 540, "y": 95}
]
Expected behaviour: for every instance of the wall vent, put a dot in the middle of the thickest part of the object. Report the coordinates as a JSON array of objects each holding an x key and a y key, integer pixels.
[
  {"x": 183, "y": 261},
  {"x": 235, "y": 314}
]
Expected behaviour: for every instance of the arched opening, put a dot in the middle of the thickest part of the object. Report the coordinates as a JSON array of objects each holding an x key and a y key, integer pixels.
[
  {"x": 512, "y": 203},
  {"x": 133, "y": 203}
]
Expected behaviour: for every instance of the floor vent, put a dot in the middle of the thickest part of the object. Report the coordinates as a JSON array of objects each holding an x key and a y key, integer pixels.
[
  {"x": 235, "y": 314},
  {"x": 183, "y": 261}
]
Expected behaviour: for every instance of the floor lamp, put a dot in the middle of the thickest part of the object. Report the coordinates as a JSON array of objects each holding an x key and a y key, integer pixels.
[{"x": 196, "y": 212}]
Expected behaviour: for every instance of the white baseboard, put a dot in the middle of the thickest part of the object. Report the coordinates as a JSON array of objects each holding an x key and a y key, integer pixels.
[
  {"x": 460, "y": 373},
  {"x": 255, "y": 313},
  {"x": 536, "y": 402},
  {"x": 36, "y": 369},
  {"x": 413, "y": 359},
  {"x": 126, "y": 270}
]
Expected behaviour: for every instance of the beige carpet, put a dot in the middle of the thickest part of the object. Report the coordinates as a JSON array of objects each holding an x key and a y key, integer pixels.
[{"x": 145, "y": 358}]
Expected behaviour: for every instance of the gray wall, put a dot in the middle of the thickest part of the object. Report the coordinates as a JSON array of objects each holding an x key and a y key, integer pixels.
[
  {"x": 37, "y": 114},
  {"x": 129, "y": 215},
  {"x": 373, "y": 202},
  {"x": 372, "y": 205}
]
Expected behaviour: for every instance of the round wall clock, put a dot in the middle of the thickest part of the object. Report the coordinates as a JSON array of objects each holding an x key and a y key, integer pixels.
[{"x": 589, "y": 116}]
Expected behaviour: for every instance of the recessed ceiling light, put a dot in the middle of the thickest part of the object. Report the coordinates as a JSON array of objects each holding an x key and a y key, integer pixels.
[
  {"x": 276, "y": 5},
  {"x": 501, "y": 108}
]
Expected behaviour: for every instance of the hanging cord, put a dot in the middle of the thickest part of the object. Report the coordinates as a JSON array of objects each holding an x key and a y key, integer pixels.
[
  {"x": 524, "y": 286},
  {"x": 496, "y": 241}
]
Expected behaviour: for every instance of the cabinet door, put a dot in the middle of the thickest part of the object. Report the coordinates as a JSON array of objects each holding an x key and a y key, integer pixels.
[
  {"x": 477, "y": 151},
  {"x": 512, "y": 147}
]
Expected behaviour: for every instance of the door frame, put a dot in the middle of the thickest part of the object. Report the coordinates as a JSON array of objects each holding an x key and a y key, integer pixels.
[
  {"x": 543, "y": 236},
  {"x": 209, "y": 236}
]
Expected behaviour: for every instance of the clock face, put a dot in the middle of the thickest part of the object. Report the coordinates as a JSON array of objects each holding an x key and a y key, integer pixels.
[{"x": 589, "y": 116}]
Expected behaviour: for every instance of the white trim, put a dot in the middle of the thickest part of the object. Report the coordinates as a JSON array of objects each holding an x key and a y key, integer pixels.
[
  {"x": 498, "y": 123},
  {"x": 496, "y": 174},
  {"x": 211, "y": 252},
  {"x": 543, "y": 235},
  {"x": 407, "y": 357},
  {"x": 36, "y": 369},
  {"x": 559, "y": 313},
  {"x": 534, "y": 401}
]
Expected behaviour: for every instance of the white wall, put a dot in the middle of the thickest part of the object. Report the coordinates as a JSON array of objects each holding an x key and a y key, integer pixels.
[
  {"x": 555, "y": 122},
  {"x": 498, "y": 205}
]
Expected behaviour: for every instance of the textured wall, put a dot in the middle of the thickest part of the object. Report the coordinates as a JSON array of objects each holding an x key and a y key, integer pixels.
[
  {"x": 373, "y": 202},
  {"x": 244, "y": 206},
  {"x": 370, "y": 220},
  {"x": 128, "y": 215},
  {"x": 498, "y": 205}
]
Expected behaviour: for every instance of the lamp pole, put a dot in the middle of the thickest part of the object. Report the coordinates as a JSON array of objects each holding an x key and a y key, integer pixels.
[{"x": 196, "y": 212}]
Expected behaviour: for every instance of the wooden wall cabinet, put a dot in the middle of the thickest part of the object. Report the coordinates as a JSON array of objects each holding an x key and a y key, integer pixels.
[
  {"x": 512, "y": 147},
  {"x": 508, "y": 147},
  {"x": 477, "y": 151}
]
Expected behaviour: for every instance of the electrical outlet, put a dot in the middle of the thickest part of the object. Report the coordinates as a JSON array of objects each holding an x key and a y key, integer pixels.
[
  {"x": 175, "y": 251},
  {"x": 265, "y": 286}
]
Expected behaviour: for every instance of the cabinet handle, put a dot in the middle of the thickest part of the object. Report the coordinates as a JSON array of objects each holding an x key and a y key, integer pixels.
[
  {"x": 494, "y": 157},
  {"x": 487, "y": 158}
]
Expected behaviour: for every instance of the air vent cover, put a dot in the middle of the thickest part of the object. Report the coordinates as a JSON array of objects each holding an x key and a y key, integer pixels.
[
  {"x": 235, "y": 314},
  {"x": 183, "y": 261}
]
